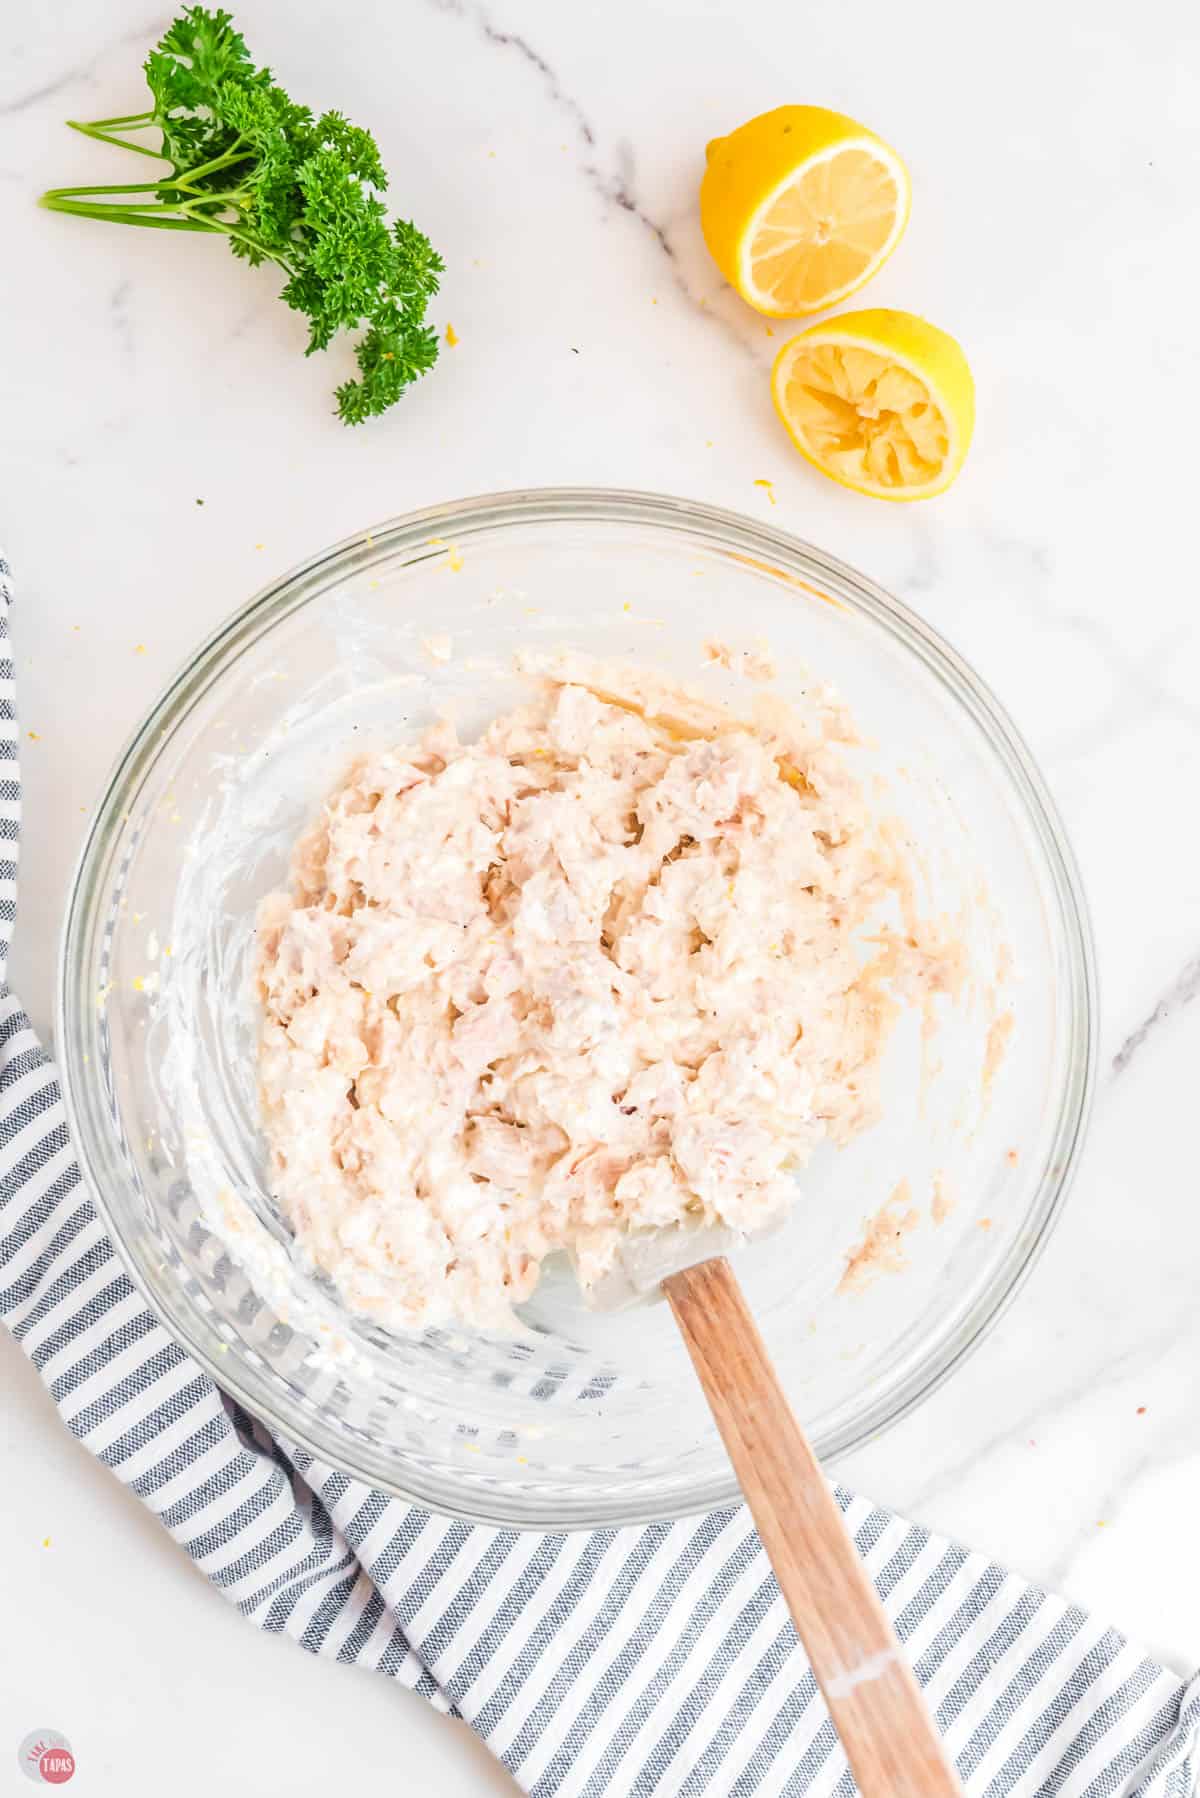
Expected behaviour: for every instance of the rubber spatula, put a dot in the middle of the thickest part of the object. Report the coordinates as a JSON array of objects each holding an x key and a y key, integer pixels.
[{"x": 874, "y": 1700}]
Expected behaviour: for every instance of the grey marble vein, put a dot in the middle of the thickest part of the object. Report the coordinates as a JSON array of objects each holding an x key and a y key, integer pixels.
[
  {"x": 924, "y": 569},
  {"x": 24, "y": 101},
  {"x": 1133, "y": 672},
  {"x": 618, "y": 188},
  {"x": 1036, "y": 556},
  {"x": 1139, "y": 673},
  {"x": 80, "y": 72},
  {"x": 512, "y": 40},
  {"x": 1181, "y": 992},
  {"x": 118, "y": 306}
]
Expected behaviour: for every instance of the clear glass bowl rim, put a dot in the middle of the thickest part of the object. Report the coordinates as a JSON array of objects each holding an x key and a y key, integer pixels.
[{"x": 458, "y": 521}]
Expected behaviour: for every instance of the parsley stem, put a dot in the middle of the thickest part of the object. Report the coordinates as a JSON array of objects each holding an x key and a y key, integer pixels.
[
  {"x": 124, "y": 118},
  {"x": 123, "y": 187},
  {"x": 107, "y": 137},
  {"x": 132, "y": 214},
  {"x": 218, "y": 162},
  {"x": 176, "y": 217}
]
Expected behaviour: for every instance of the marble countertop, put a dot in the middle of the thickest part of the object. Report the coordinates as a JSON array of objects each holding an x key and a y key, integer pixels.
[{"x": 553, "y": 154}]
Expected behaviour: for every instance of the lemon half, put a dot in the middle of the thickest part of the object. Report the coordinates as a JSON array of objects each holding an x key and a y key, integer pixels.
[
  {"x": 881, "y": 401},
  {"x": 800, "y": 206}
]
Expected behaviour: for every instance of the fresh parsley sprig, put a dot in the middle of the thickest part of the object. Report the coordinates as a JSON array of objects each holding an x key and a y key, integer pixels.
[{"x": 281, "y": 186}]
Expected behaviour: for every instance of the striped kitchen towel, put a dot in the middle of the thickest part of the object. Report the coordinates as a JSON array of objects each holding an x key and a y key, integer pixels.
[{"x": 626, "y": 1662}]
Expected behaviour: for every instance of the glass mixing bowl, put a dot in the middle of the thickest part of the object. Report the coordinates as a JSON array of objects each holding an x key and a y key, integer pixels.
[{"x": 579, "y": 1419}]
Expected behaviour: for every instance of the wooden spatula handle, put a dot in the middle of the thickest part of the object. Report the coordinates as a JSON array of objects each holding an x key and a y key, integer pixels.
[{"x": 873, "y": 1698}]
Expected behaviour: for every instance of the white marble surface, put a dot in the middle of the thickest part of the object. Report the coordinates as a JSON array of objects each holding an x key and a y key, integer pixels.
[{"x": 552, "y": 151}]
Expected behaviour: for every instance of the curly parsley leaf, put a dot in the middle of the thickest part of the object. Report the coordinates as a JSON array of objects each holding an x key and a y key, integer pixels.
[{"x": 282, "y": 187}]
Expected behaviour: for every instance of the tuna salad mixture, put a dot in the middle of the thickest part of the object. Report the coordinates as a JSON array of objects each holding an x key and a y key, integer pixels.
[{"x": 623, "y": 962}]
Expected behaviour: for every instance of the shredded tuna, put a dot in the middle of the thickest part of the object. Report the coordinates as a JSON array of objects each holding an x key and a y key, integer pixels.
[{"x": 615, "y": 965}]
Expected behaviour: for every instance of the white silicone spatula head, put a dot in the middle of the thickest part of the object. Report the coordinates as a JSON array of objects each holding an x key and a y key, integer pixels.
[{"x": 646, "y": 1258}]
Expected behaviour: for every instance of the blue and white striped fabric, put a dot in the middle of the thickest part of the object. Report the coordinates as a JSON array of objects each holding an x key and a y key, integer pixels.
[{"x": 626, "y": 1662}]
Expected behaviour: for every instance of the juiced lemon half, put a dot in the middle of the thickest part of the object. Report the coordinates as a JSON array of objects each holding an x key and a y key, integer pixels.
[
  {"x": 800, "y": 206},
  {"x": 881, "y": 401}
]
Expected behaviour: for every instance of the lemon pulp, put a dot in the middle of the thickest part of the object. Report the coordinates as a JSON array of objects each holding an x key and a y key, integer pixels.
[
  {"x": 824, "y": 233},
  {"x": 882, "y": 401}
]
